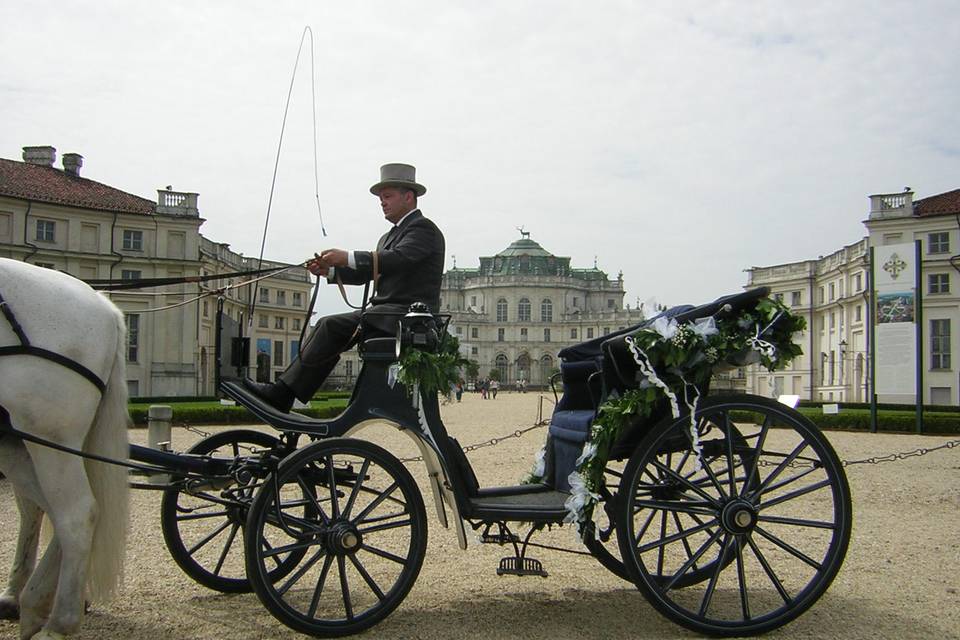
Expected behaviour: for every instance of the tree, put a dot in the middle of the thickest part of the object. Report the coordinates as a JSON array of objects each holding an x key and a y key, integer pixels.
[
  {"x": 472, "y": 369},
  {"x": 494, "y": 374}
]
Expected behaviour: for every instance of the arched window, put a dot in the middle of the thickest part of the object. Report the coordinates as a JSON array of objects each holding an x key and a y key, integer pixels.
[
  {"x": 502, "y": 310},
  {"x": 523, "y": 310},
  {"x": 501, "y": 362},
  {"x": 546, "y": 310},
  {"x": 523, "y": 367},
  {"x": 546, "y": 369}
]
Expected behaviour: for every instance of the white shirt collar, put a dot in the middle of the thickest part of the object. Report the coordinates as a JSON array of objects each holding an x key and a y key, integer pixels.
[{"x": 405, "y": 216}]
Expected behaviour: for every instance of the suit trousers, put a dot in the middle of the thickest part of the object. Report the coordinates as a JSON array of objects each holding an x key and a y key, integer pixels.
[{"x": 320, "y": 353}]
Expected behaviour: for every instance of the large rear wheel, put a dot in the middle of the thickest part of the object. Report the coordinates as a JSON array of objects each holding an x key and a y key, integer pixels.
[{"x": 761, "y": 517}]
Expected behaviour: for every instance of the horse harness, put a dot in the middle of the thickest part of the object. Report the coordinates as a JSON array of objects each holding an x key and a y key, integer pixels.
[{"x": 25, "y": 348}]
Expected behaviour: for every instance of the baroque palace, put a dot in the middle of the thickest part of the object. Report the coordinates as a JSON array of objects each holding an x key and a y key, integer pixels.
[
  {"x": 53, "y": 217},
  {"x": 833, "y": 293}
]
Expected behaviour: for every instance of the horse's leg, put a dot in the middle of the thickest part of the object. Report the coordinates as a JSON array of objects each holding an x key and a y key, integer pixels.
[
  {"x": 24, "y": 559},
  {"x": 71, "y": 507},
  {"x": 38, "y": 594}
]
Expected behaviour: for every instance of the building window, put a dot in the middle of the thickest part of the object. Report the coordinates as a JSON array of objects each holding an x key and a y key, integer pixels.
[
  {"x": 130, "y": 274},
  {"x": 606, "y": 331},
  {"x": 778, "y": 297},
  {"x": 133, "y": 388},
  {"x": 297, "y": 299},
  {"x": 858, "y": 313},
  {"x": 282, "y": 298},
  {"x": 296, "y": 324},
  {"x": 206, "y": 309},
  {"x": 348, "y": 368},
  {"x": 940, "y": 344},
  {"x": 820, "y": 295},
  {"x": 473, "y": 351},
  {"x": 278, "y": 323},
  {"x": 833, "y": 321},
  {"x": 795, "y": 299},
  {"x": 263, "y": 321},
  {"x": 264, "y": 295},
  {"x": 523, "y": 334},
  {"x": 573, "y": 333},
  {"x": 546, "y": 310},
  {"x": 576, "y": 302},
  {"x": 278, "y": 352},
  {"x": 939, "y": 242},
  {"x": 589, "y": 332},
  {"x": 475, "y": 333},
  {"x": 938, "y": 283},
  {"x": 857, "y": 282},
  {"x": 546, "y": 335},
  {"x": 45, "y": 230},
  {"x": 502, "y": 365},
  {"x": 473, "y": 301},
  {"x": 501, "y": 310},
  {"x": 523, "y": 310},
  {"x": 133, "y": 336},
  {"x": 459, "y": 331},
  {"x": 132, "y": 240},
  {"x": 833, "y": 292},
  {"x": 500, "y": 335},
  {"x": 610, "y": 303}
]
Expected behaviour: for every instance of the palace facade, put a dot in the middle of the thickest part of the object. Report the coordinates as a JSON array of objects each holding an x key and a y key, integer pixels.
[
  {"x": 833, "y": 294},
  {"x": 53, "y": 217}
]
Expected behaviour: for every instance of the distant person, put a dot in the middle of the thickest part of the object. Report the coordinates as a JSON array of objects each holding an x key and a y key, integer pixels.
[
  {"x": 459, "y": 390},
  {"x": 409, "y": 258},
  {"x": 494, "y": 386}
]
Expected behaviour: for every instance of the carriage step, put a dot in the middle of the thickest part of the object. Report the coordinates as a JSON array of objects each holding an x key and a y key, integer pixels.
[
  {"x": 503, "y": 537},
  {"x": 514, "y": 566}
]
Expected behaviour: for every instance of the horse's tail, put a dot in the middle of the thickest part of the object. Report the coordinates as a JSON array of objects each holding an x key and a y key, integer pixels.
[{"x": 108, "y": 437}]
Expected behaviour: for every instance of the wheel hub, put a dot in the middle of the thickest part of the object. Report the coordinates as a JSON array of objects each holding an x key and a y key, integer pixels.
[
  {"x": 343, "y": 538},
  {"x": 738, "y": 516}
]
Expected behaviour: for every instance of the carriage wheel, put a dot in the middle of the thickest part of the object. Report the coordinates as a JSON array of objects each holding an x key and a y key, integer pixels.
[
  {"x": 202, "y": 529},
  {"x": 764, "y": 523},
  {"x": 600, "y": 537},
  {"x": 363, "y": 532}
]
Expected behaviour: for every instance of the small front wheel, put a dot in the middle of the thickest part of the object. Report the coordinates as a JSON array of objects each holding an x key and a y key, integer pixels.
[{"x": 355, "y": 513}]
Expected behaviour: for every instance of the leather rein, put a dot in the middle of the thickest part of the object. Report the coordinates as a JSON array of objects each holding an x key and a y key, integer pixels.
[{"x": 27, "y": 349}]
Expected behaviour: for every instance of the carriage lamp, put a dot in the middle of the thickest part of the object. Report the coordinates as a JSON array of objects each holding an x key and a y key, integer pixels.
[{"x": 417, "y": 329}]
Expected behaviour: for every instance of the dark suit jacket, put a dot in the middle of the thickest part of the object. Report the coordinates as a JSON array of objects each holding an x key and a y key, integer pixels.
[{"x": 411, "y": 267}]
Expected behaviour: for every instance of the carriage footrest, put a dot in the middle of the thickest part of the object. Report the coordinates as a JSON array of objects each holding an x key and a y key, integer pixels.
[
  {"x": 514, "y": 566},
  {"x": 498, "y": 538}
]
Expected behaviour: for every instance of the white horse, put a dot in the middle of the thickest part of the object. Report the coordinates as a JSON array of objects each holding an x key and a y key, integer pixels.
[{"x": 86, "y": 501}]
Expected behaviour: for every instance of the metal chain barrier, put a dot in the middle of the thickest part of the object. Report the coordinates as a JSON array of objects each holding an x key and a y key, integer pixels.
[
  {"x": 916, "y": 453},
  {"x": 492, "y": 442}
]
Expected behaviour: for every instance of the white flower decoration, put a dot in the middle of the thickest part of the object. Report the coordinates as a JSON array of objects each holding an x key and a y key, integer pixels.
[
  {"x": 589, "y": 451},
  {"x": 705, "y": 327},
  {"x": 579, "y": 498},
  {"x": 540, "y": 463},
  {"x": 666, "y": 327}
]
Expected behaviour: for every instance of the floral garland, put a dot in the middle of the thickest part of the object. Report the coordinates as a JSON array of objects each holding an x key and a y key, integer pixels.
[
  {"x": 675, "y": 361},
  {"x": 433, "y": 371}
]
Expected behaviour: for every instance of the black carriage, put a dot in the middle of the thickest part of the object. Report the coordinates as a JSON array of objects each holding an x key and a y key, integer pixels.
[{"x": 731, "y": 519}]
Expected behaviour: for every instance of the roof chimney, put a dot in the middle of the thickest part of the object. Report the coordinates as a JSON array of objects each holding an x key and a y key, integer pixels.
[
  {"x": 42, "y": 156},
  {"x": 72, "y": 163}
]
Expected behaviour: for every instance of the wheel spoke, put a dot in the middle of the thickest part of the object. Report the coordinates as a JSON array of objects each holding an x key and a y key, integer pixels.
[
  {"x": 798, "y": 522},
  {"x": 685, "y": 542},
  {"x": 313, "y": 499},
  {"x": 226, "y": 549},
  {"x": 318, "y": 590},
  {"x": 755, "y": 458},
  {"x": 681, "y": 506},
  {"x": 715, "y": 576},
  {"x": 665, "y": 540},
  {"x": 383, "y": 554},
  {"x": 783, "y": 465},
  {"x": 301, "y": 571},
  {"x": 385, "y": 526},
  {"x": 643, "y": 529},
  {"x": 345, "y": 587},
  {"x": 742, "y": 580},
  {"x": 201, "y": 516},
  {"x": 273, "y": 552},
  {"x": 377, "y": 501},
  {"x": 730, "y": 464},
  {"x": 366, "y": 577},
  {"x": 795, "y": 494},
  {"x": 192, "y": 550},
  {"x": 356, "y": 488},
  {"x": 332, "y": 481},
  {"x": 686, "y": 482},
  {"x": 692, "y": 560},
  {"x": 788, "y": 548},
  {"x": 778, "y": 585}
]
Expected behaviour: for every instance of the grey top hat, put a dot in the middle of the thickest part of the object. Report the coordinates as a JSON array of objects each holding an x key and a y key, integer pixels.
[{"x": 401, "y": 175}]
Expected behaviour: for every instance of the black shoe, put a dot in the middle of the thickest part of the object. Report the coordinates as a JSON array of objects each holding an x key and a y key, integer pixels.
[{"x": 277, "y": 395}]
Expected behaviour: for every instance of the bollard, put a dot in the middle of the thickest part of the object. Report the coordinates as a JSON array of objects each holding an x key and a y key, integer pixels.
[{"x": 158, "y": 435}]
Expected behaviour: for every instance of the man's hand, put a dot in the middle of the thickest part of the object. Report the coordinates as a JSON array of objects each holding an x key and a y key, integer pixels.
[
  {"x": 335, "y": 257},
  {"x": 318, "y": 266}
]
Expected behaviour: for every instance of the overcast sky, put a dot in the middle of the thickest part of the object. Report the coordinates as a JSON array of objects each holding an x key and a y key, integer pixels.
[{"x": 679, "y": 142}]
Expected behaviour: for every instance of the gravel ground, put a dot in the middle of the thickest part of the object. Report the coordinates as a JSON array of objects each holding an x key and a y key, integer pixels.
[{"x": 900, "y": 578}]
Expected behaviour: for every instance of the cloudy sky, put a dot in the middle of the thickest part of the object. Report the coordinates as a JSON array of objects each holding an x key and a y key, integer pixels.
[{"x": 679, "y": 142}]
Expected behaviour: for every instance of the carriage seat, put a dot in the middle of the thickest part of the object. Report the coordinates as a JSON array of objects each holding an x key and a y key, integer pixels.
[{"x": 571, "y": 421}]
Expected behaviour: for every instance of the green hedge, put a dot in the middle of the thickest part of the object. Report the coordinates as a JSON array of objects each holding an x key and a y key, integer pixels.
[
  {"x": 887, "y": 421},
  {"x": 205, "y": 413}
]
